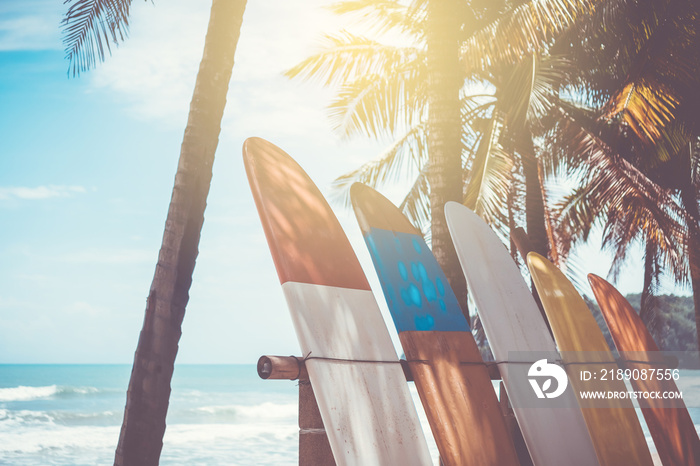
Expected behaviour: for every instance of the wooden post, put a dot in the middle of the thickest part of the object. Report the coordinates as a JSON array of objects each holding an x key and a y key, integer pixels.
[
  {"x": 314, "y": 449},
  {"x": 282, "y": 368},
  {"x": 513, "y": 428}
]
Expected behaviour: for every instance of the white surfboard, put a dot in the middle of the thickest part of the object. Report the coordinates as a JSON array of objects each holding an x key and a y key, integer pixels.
[
  {"x": 362, "y": 394},
  {"x": 513, "y": 323}
]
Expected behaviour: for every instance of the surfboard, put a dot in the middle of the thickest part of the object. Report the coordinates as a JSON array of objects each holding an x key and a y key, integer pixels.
[
  {"x": 514, "y": 325},
  {"x": 458, "y": 398},
  {"x": 614, "y": 428},
  {"x": 360, "y": 387},
  {"x": 671, "y": 428}
]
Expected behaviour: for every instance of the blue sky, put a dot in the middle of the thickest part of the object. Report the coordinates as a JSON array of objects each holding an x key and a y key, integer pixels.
[{"x": 86, "y": 172}]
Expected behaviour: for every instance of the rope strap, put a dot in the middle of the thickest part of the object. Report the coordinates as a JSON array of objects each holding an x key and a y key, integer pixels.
[{"x": 616, "y": 361}]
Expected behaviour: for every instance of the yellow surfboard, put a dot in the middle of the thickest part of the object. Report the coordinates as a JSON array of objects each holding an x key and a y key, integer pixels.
[{"x": 615, "y": 430}]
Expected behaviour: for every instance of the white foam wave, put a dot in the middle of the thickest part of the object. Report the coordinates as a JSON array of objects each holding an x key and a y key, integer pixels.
[
  {"x": 235, "y": 414},
  {"x": 270, "y": 444},
  {"x": 263, "y": 411},
  {"x": 26, "y": 393},
  {"x": 11, "y": 419},
  {"x": 23, "y": 393}
]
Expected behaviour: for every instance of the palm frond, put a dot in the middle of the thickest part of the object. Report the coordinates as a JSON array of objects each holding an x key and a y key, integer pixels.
[
  {"x": 379, "y": 105},
  {"x": 416, "y": 204},
  {"x": 521, "y": 30},
  {"x": 384, "y": 15},
  {"x": 647, "y": 109},
  {"x": 406, "y": 156},
  {"x": 489, "y": 183},
  {"x": 530, "y": 90},
  {"x": 89, "y": 29},
  {"x": 627, "y": 204},
  {"x": 345, "y": 57},
  {"x": 479, "y": 166}
]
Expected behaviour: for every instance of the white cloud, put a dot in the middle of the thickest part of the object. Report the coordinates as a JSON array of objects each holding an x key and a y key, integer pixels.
[
  {"x": 30, "y": 25},
  {"x": 40, "y": 192},
  {"x": 154, "y": 70}
]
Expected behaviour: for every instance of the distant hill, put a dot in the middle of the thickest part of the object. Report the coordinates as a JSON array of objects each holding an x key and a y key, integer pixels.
[{"x": 672, "y": 327}]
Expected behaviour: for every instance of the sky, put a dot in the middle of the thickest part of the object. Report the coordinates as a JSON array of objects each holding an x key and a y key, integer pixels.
[{"x": 86, "y": 172}]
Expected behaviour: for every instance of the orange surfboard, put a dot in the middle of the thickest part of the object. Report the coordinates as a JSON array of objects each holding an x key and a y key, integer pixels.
[{"x": 671, "y": 428}]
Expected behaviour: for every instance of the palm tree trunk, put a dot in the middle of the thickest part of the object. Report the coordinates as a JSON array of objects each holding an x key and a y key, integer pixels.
[
  {"x": 444, "y": 134},
  {"x": 647, "y": 306},
  {"x": 534, "y": 203},
  {"x": 141, "y": 438}
]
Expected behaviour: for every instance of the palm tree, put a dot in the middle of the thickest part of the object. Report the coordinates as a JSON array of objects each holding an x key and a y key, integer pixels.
[
  {"x": 638, "y": 69},
  {"x": 402, "y": 92},
  {"x": 526, "y": 95},
  {"x": 625, "y": 201},
  {"x": 90, "y": 25}
]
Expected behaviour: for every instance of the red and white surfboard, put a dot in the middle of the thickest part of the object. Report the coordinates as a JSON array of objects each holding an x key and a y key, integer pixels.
[{"x": 366, "y": 407}]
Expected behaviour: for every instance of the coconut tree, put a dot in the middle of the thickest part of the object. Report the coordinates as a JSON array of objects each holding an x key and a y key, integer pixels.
[
  {"x": 402, "y": 92},
  {"x": 638, "y": 70},
  {"x": 525, "y": 96},
  {"x": 626, "y": 202},
  {"x": 638, "y": 62},
  {"x": 90, "y": 26}
]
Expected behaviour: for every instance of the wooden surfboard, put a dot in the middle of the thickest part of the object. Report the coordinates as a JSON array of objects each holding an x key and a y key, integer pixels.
[
  {"x": 360, "y": 387},
  {"x": 513, "y": 324},
  {"x": 459, "y": 399},
  {"x": 617, "y": 436},
  {"x": 671, "y": 428}
]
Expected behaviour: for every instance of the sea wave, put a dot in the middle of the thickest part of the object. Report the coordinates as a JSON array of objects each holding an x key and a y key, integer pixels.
[
  {"x": 10, "y": 419},
  {"x": 22, "y": 393},
  {"x": 264, "y": 413},
  {"x": 234, "y": 414},
  {"x": 268, "y": 445},
  {"x": 26, "y": 393}
]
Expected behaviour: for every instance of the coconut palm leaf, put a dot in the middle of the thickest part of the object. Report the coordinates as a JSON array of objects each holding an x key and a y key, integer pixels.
[
  {"x": 663, "y": 72},
  {"x": 645, "y": 108},
  {"x": 626, "y": 203},
  {"x": 381, "y": 88},
  {"x": 405, "y": 157},
  {"x": 385, "y": 15},
  {"x": 379, "y": 105},
  {"x": 89, "y": 29},
  {"x": 521, "y": 30},
  {"x": 640, "y": 59},
  {"x": 345, "y": 56},
  {"x": 524, "y": 93},
  {"x": 416, "y": 204},
  {"x": 477, "y": 170}
]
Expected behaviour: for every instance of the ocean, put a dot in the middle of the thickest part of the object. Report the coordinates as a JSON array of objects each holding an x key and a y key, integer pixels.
[{"x": 218, "y": 415}]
